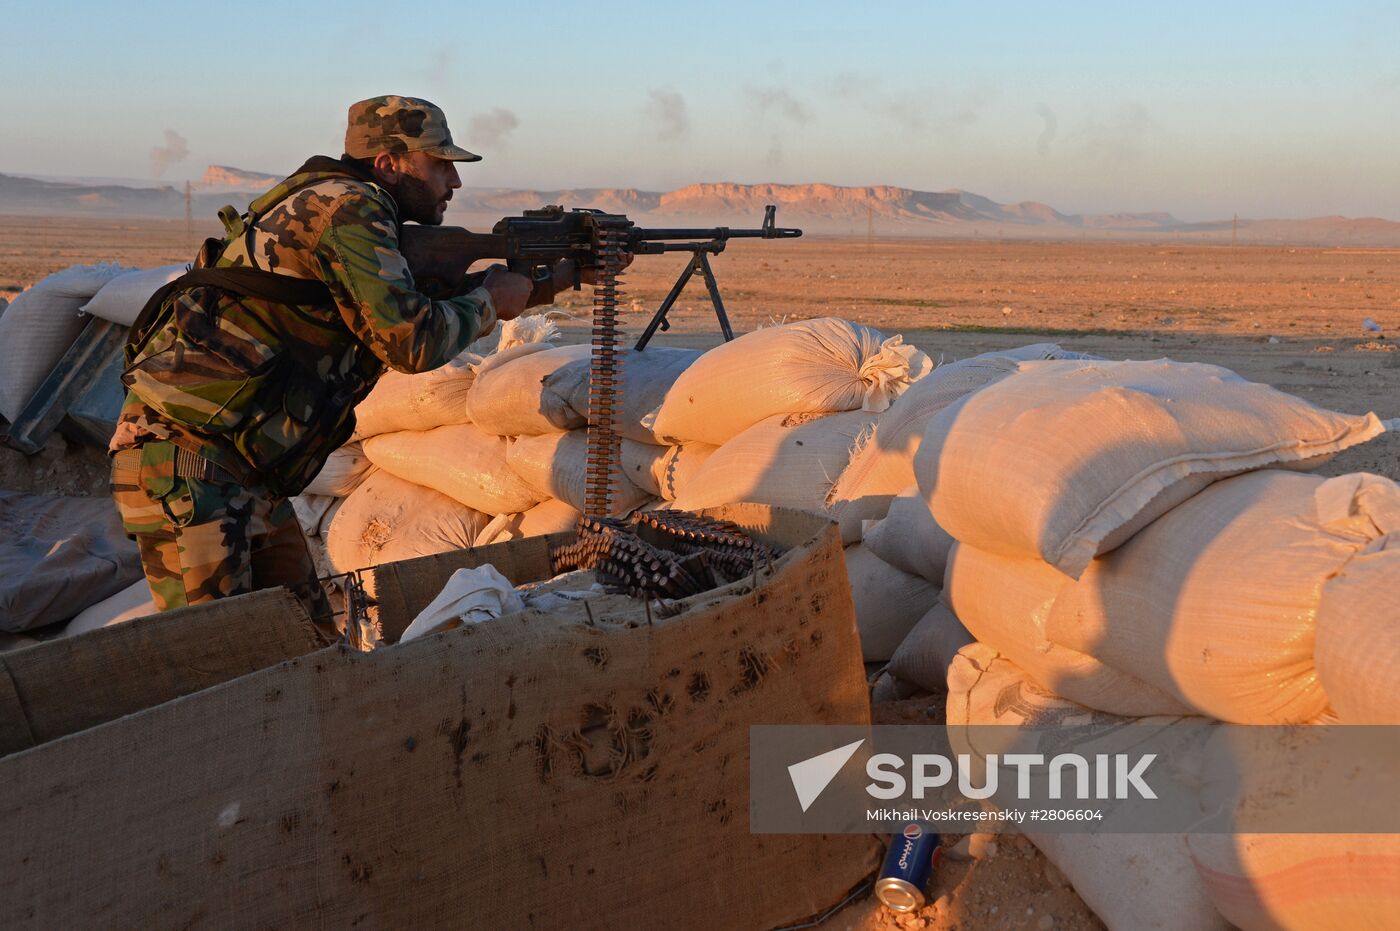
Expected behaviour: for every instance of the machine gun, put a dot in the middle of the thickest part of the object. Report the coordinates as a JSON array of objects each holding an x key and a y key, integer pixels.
[
  {"x": 532, "y": 244},
  {"x": 440, "y": 257}
]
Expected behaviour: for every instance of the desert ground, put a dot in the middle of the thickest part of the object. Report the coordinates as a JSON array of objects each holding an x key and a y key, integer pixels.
[{"x": 1292, "y": 317}]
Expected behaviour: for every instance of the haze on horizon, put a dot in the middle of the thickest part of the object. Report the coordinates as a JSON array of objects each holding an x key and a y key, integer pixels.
[{"x": 1264, "y": 110}]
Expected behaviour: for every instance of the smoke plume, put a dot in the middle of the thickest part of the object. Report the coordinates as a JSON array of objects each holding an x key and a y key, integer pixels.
[
  {"x": 163, "y": 156},
  {"x": 492, "y": 128},
  {"x": 668, "y": 111}
]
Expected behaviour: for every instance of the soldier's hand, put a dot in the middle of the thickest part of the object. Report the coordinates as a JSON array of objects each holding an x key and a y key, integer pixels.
[{"x": 509, "y": 291}]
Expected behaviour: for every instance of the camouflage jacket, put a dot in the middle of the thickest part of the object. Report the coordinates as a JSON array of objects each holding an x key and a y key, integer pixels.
[{"x": 267, "y": 390}]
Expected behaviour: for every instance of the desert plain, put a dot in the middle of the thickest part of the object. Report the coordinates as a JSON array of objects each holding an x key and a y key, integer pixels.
[{"x": 1314, "y": 320}]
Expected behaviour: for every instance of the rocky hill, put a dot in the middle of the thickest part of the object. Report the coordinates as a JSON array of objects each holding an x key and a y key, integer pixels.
[{"x": 817, "y": 208}]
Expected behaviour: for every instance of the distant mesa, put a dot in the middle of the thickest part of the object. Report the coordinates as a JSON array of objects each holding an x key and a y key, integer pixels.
[
  {"x": 224, "y": 178},
  {"x": 830, "y": 209}
]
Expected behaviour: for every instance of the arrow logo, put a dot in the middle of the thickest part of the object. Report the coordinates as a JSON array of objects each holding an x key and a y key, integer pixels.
[{"x": 811, "y": 777}]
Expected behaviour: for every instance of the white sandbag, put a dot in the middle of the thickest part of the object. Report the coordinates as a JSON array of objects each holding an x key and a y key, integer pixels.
[
  {"x": 884, "y": 466},
  {"x": 888, "y": 602},
  {"x": 1067, "y": 459},
  {"x": 647, "y": 376},
  {"x": 420, "y": 401},
  {"x": 1004, "y": 602},
  {"x": 315, "y": 512},
  {"x": 40, "y": 325},
  {"x": 641, "y": 462},
  {"x": 1216, "y": 601},
  {"x": 1357, "y": 646},
  {"x": 471, "y": 595},
  {"x": 788, "y": 460},
  {"x": 122, "y": 298},
  {"x": 1317, "y": 882},
  {"x": 924, "y": 656},
  {"x": 814, "y": 367},
  {"x": 909, "y": 538},
  {"x": 1131, "y": 881},
  {"x": 464, "y": 463},
  {"x": 554, "y": 466},
  {"x": 343, "y": 472},
  {"x": 388, "y": 519},
  {"x": 510, "y": 398},
  {"x": 551, "y": 516},
  {"x": 126, "y": 605}
]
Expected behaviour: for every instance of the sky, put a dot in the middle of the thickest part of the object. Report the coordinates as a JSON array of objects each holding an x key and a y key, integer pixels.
[{"x": 1202, "y": 110}]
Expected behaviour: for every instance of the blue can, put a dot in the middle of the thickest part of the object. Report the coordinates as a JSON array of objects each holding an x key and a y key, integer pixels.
[{"x": 909, "y": 863}]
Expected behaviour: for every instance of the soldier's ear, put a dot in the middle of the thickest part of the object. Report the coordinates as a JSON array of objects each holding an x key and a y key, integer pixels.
[{"x": 386, "y": 168}]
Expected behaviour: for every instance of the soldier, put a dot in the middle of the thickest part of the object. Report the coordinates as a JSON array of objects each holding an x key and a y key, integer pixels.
[{"x": 243, "y": 374}]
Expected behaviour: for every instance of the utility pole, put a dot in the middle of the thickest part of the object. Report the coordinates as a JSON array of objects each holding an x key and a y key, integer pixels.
[
  {"x": 869, "y": 225},
  {"x": 189, "y": 219},
  {"x": 1234, "y": 230}
]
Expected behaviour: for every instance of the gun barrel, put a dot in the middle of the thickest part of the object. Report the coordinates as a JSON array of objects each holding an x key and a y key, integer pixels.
[{"x": 719, "y": 232}]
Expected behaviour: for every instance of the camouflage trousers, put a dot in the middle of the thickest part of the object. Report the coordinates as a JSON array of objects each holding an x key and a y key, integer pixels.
[{"x": 202, "y": 539}]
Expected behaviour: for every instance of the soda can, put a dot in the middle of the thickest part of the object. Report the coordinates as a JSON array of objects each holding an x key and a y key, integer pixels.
[{"x": 909, "y": 863}]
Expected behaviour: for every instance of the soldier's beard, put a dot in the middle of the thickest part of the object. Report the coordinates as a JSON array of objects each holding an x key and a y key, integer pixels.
[{"x": 417, "y": 202}]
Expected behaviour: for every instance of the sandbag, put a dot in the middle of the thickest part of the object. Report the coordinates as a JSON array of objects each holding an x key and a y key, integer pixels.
[
  {"x": 40, "y": 325},
  {"x": 421, "y": 401},
  {"x": 1067, "y": 459},
  {"x": 1131, "y": 881},
  {"x": 924, "y": 656},
  {"x": 387, "y": 519},
  {"x": 315, "y": 512},
  {"x": 884, "y": 466},
  {"x": 646, "y": 378},
  {"x": 343, "y": 472},
  {"x": 126, "y": 605},
  {"x": 464, "y": 463},
  {"x": 1317, "y": 882},
  {"x": 909, "y": 538},
  {"x": 663, "y": 470},
  {"x": 58, "y": 556},
  {"x": 554, "y": 466},
  {"x": 1216, "y": 602},
  {"x": 1004, "y": 602},
  {"x": 788, "y": 460},
  {"x": 121, "y": 298},
  {"x": 641, "y": 462},
  {"x": 888, "y": 602},
  {"x": 510, "y": 398},
  {"x": 814, "y": 367},
  {"x": 1357, "y": 646},
  {"x": 551, "y": 516}
]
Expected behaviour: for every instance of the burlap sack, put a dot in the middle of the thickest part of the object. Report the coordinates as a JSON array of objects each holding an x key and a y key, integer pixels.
[
  {"x": 1131, "y": 881},
  {"x": 1328, "y": 882},
  {"x": 888, "y": 602},
  {"x": 814, "y": 367},
  {"x": 418, "y": 401},
  {"x": 344, "y": 471},
  {"x": 509, "y": 397},
  {"x": 923, "y": 657},
  {"x": 120, "y": 299},
  {"x": 40, "y": 325},
  {"x": 1217, "y": 601},
  {"x": 534, "y": 769},
  {"x": 908, "y": 538},
  {"x": 884, "y": 466},
  {"x": 554, "y": 465},
  {"x": 647, "y": 376},
  {"x": 788, "y": 460},
  {"x": 388, "y": 519},
  {"x": 551, "y": 516},
  {"x": 465, "y": 463},
  {"x": 1004, "y": 603},
  {"x": 1067, "y": 459}
]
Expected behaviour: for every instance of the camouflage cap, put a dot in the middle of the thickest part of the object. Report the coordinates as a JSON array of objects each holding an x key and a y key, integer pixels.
[{"x": 400, "y": 124}]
